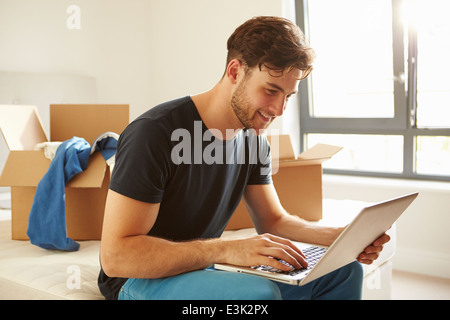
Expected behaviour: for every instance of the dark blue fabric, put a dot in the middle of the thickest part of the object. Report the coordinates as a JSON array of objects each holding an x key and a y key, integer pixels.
[
  {"x": 47, "y": 220},
  {"x": 106, "y": 144}
]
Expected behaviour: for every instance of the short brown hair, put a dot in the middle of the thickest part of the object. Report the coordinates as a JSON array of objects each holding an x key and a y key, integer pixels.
[{"x": 273, "y": 42}]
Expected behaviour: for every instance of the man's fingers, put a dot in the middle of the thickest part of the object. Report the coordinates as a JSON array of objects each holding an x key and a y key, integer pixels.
[
  {"x": 372, "y": 252},
  {"x": 373, "y": 249},
  {"x": 382, "y": 240},
  {"x": 365, "y": 261},
  {"x": 275, "y": 263},
  {"x": 288, "y": 255},
  {"x": 368, "y": 256},
  {"x": 285, "y": 242},
  {"x": 283, "y": 249}
]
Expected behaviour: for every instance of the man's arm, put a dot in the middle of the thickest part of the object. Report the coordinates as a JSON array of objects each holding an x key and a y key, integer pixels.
[
  {"x": 127, "y": 251},
  {"x": 269, "y": 216}
]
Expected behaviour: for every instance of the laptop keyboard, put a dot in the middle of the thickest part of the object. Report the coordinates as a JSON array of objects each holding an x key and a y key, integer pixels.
[{"x": 313, "y": 254}]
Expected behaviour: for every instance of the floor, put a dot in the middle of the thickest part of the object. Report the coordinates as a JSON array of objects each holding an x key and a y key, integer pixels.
[{"x": 410, "y": 286}]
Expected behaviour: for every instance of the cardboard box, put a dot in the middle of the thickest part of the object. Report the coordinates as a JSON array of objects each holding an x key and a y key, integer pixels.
[
  {"x": 85, "y": 194},
  {"x": 297, "y": 180}
]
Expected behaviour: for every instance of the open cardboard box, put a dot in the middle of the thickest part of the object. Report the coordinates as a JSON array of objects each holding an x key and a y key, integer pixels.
[
  {"x": 85, "y": 194},
  {"x": 297, "y": 180}
]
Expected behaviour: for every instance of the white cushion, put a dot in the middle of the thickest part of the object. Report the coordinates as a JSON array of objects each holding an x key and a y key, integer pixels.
[{"x": 29, "y": 272}]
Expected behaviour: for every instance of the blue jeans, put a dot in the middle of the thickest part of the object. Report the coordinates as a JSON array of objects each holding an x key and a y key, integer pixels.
[{"x": 210, "y": 284}]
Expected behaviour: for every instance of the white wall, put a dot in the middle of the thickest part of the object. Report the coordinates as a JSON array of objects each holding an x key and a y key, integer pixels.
[{"x": 140, "y": 52}]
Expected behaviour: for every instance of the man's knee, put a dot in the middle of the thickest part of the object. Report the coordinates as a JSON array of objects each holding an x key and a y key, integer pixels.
[
  {"x": 354, "y": 280},
  {"x": 257, "y": 288},
  {"x": 342, "y": 284},
  {"x": 355, "y": 271}
]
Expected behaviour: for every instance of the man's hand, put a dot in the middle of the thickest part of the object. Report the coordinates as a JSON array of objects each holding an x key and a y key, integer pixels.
[
  {"x": 265, "y": 249},
  {"x": 372, "y": 252}
]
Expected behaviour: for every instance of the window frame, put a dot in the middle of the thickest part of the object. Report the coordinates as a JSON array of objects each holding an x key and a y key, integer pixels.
[{"x": 405, "y": 104}]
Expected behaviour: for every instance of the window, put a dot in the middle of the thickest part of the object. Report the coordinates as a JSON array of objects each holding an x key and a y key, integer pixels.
[
  {"x": 380, "y": 86},
  {"x": 432, "y": 28},
  {"x": 354, "y": 60}
]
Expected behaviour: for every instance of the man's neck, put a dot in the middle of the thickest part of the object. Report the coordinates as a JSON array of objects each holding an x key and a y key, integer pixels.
[{"x": 215, "y": 110}]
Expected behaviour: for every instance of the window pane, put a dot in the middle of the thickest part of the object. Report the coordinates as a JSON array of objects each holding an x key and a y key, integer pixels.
[
  {"x": 378, "y": 153},
  {"x": 433, "y": 155},
  {"x": 353, "y": 72},
  {"x": 433, "y": 64}
]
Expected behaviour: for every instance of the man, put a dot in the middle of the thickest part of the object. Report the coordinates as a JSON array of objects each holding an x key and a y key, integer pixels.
[{"x": 167, "y": 206}]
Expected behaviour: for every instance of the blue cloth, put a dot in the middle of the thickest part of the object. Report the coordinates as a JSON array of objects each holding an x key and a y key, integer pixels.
[
  {"x": 210, "y": 284},
  {"x": 106, "y": 143},
  {"x": 47, "y": 220},
  {"x": 107, "y": 147}
]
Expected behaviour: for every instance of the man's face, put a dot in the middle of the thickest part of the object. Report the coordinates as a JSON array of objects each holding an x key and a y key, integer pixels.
[{"x": 261, "y": 97}]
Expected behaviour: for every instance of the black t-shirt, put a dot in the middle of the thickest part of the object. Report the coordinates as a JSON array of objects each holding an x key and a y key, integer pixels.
[{"x": 168, "y": 156}]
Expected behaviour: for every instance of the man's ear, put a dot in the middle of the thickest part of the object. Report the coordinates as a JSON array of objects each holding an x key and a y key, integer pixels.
[{"x": 235, "y": 70}]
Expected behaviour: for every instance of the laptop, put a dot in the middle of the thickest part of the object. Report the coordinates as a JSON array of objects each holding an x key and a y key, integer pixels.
[{"x": 371, "y": 222}]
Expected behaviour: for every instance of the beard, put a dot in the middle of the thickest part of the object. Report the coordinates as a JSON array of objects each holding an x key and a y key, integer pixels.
[{"x": 242, "y": 108}]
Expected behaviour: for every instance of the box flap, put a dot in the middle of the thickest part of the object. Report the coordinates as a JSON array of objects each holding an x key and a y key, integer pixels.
[
  {"x": 93, "y": 176},
  {"x": 26, "y": 169},
  {"x": 281, "y": 147},
  {"x": 319, "y": 151},
  {"x": 21, "y": 126},
  {"x": 316, "y": 155},
  {"x": 86, "y": 120}
]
